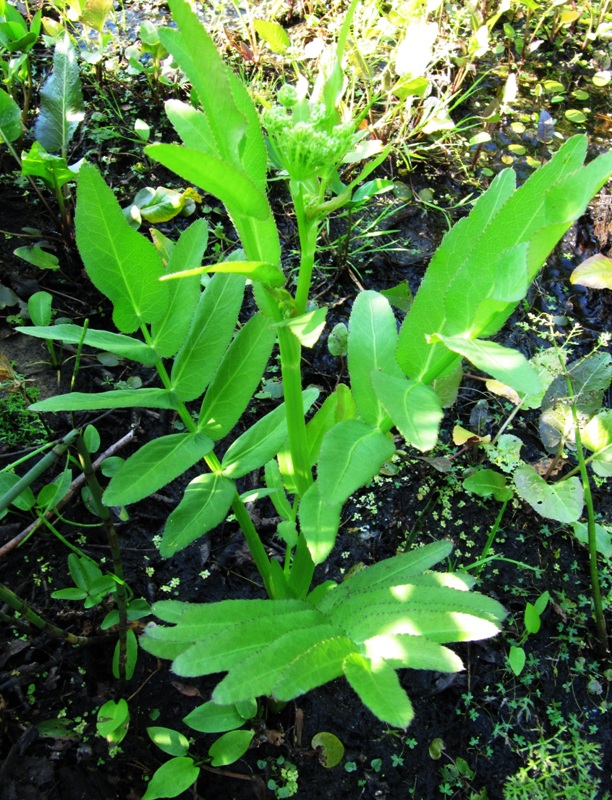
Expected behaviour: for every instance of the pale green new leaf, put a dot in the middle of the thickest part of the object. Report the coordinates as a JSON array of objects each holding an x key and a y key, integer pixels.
[
  {"x": 156, "y": 464},
  {"x": 319, "y": 523},
  {"x": 118, "y": 398},
  {"x": 117, "y": 343},
  {"x": 594, "y": 272},
  {"x": 121, "y": 262},
  {"x": 191, "y": 125},
  {"x": 307, "y": 327},
  {"x": 379, "y": 689},
  {"x": 10, "y": 118},
  {"x": 508, "y": 366},
  {"x": 562, "y": 501},
  {"x": 210, "y": 332},
  {"x": 352, "y": 453},
  {"x": 172, "y": 778},
  {"x": 169, "y": 332},
  {"x": 372, "y": 343},
  {"x": 275, "y": 36},
  {"x": 204, "y": 505},
  {"x": 237, "y": 378},
  {"x": 262, "y": 441},
  {"x": 415, "y": 409},
  {"x": 61, "y": 100}
]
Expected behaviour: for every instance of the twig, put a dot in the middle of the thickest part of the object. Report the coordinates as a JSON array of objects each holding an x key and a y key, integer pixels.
[{"x": 74, "y": 487}]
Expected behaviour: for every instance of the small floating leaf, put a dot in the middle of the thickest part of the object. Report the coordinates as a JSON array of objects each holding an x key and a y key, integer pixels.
[
  {"x": 574, "y": 115},
  {"x": 329, "y": 747}
]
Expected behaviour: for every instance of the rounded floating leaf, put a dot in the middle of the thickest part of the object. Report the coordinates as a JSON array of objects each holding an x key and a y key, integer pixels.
[
  {"x": 576, "y": 116},
  {"x": 329, "y": 747}
]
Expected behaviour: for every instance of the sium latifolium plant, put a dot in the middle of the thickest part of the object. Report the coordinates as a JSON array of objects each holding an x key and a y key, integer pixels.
[{"x": 396, "y": 613}]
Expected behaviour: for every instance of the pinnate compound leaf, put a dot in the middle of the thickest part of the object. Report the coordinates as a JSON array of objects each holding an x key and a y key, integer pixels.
[
  {"x": 119, "y": 398},
  {"x": 156, "y": 463},
  {"x": 10, "y": 118},
  {"x": 210, "y": 332},
  {"x": 117, "y": 343},
  {"x": 168, "y": 740},
  {"x": 352, "y": 453},
  {"x": 230, "y": 747},
  {"x": 562, "y": 501},
  {"x": 172, "y": 778},
  {"x": 504, "y": 364},
  {"x": 595, "y": 272},
  {"x": 61, "y": 100},
  {"x": 204, "y": 505},
  {"x": 372, "y": 342},
  {"x": 414, "y": 407},
  {"x": 237, "y": 377},
  {"x": 121, "y": 263},
  {"x": 379, "y": 689}
]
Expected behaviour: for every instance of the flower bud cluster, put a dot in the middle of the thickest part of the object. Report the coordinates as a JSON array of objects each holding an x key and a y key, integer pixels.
[{"x": 303, "y": 141}]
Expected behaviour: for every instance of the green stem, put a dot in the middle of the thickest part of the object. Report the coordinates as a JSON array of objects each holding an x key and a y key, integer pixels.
[
  {"x": 254, "y": 543},
  {"x": 308, "y": 230},
  {"x": 37, "y": 470},
  {"x": 113, "y": 540},
  {"x": 492, "y": 535},
  {"x": 21, "y": 607}
]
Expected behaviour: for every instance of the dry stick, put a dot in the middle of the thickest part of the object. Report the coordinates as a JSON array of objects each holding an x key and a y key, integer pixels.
[{"x": 74, "y": 487}]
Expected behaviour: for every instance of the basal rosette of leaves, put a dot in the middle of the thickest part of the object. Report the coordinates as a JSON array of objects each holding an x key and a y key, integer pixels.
[{"x": 391, "y": 615}]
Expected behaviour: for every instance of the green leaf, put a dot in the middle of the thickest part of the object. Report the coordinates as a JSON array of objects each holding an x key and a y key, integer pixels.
[
  {"x": 352, "y": 453},
  {"x": 329, "y": 748},
  {"x": 517, "y": 659},
  {"x": 204, "y": 505},
  {"x": 237, "y": 378},
  {"x": 372, "y": 343},
  {"x": 508, "y": 366},
  {"x": 531, "y": 619},
  {"x": 169, "y": 332},
  {"x": 156, "y": 464},
  {"x": 230, "y": 747},
  {"x": 131, "y": 655},
  {"x": 262, "y": 271},
  {"x": 52, "y": 169},
  {"x": 471, "y": 255},
  {"x": 119, "y": 398},
  {"x": 10, "y": 118},
  {"x": 273, "y": 34},
  {"x": 95, "y": 13},
  {"x": 594, "y": 272},
  {"x": 319, "y": 523},
  {"x": 562, "y": 501},
  {"x": 38, "y": 257},
  {"x": 262, "y": 441},
  {"x": 117, "y": 343},
  {"x": 379, "y": 689},
  {"x": 169, "y": 740},
  {"x": 307, "y": 327},
  {"x": 213, "y": 718},
  {"x": 597, "y": 436},
  {"x": 24, "y": 501},
  {"x": 39, "y": 308},
  {"x": 603, "y": 539},
  {"x": 317, "y": 665},
  {"x": 171, "y": 779},
  {"x": 209, "y": 334},
  {"x": 415, "y": 408},
  {"x": 113, "y": 720},
  {"x": 110, "y": 249},
  {"x": 61, "y": 100},
  {"x": 487, "y": 482},
  {"x": 215, "y": 176}
]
